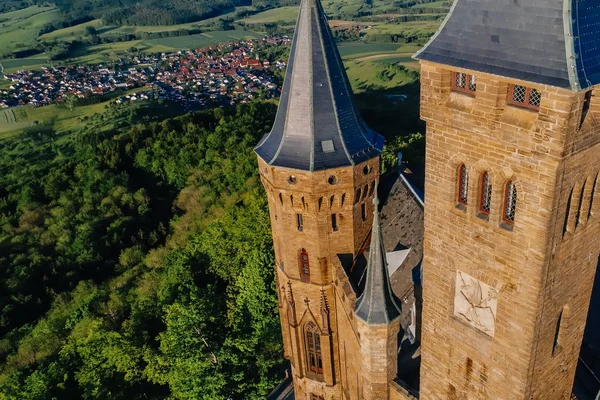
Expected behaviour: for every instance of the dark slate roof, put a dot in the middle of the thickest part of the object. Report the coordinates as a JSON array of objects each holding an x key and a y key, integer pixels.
[
  {"x": 377, "y": 305},
  {"x": 552, "y": 42},
  {"x": 317, "y": 126}
]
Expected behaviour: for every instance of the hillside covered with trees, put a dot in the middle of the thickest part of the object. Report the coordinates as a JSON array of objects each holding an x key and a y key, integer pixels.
[{"x": 137, "y": 260}]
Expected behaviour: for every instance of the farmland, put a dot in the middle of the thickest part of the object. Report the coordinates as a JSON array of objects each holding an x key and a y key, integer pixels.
[{"x": 19, "y": 29}]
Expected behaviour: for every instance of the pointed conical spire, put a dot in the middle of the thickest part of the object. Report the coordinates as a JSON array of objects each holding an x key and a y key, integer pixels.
[
  {"x": 317, "y": 126},
  {"x": 378, "y": 305}
]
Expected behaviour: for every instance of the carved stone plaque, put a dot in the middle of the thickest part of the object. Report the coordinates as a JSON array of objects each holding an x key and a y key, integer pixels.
[{"x": 475, "y": 303}]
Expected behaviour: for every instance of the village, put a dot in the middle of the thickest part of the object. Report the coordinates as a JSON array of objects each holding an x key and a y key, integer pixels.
[{"x": 224, "y": 74}]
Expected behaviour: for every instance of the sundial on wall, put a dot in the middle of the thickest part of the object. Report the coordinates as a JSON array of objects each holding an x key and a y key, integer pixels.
[{"x": 475, "y": 303}]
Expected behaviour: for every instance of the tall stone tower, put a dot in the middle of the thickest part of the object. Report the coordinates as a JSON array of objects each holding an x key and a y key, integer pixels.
[
  {"x": 512, "y": 234},
  {"x": 319, "y": 166}
]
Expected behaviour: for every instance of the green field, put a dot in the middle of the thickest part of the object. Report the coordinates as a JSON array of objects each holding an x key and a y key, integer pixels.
[
  {"x": 283, "y": 14},
  {"x": 19, "y": 29},
  {"x": 353, "y": 50},
  {"x": 71, "y": 33},
  {"x": 202, "y": 39}
]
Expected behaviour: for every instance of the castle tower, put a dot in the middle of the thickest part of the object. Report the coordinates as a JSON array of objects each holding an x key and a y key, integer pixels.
[
  {"x": 319, "y": 166},
  {"x": 377, "y": 310},
  {"x": 511, "y": 99}
]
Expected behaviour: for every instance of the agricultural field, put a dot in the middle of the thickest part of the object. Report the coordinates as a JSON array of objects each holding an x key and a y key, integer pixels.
[
  {"x": 353, "y": 50},
  {"x": 201, "y": 40},
  {"x": 19, "y": 29},
  {"x": 282, "y": 15},
  {"x": 71, "y": 33}
]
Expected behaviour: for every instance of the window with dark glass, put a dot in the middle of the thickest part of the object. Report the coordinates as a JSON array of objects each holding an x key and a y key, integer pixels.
[
  {"x": 510, "y": 203},
  {"x": 464, "y": 83},
  {"x": 372, "y": 189},
  {"x": 357, "y": 196},
  {"x": 363, "y": 211},
  {"x": 334, "y": 224},
  {"x": 304, "y": 266},
  {"x": 299, "y": 222},
  {"x": 485, "y": 196},
  {"x": 313, "y": 348},
  {"x": 463, "y": 184},
  {"x": 524, "y": 97}
]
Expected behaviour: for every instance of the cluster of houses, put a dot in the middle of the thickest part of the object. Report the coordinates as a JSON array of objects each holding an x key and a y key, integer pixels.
[{"x": 228, "y": 73}]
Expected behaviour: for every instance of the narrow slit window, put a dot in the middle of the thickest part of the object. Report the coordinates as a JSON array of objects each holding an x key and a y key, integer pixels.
[
  {"x": 320, "y": 203},
  {"x": 357, "y": 196},
  {"x": 485, "y": 197},
  {"x": 567, "y": 213},
  {"x": 594, "y": 187},
  {"x": 281, "y": 198},
  {"x": 524, "y": 97},
  {"x": 581, "y": 196},
  {"x": 334, "y": 223},
  {"x": 343, "y": 199},
  {"x": 372, "y": 189},
  {"x": 510, "y": 203},
  {"x": 304, "y": 266},
  {"x": 363, "y": 211},
  {"x": 465, "y": 83},
  {"x": 365, "y": 191},
  {"x": 587, "y": 100},
  {"x": 463, "y": 184},
  {"x": 331, "y": 201},
  {"x": 292, "y": 200},
  {"x": 299, "y": 222}
]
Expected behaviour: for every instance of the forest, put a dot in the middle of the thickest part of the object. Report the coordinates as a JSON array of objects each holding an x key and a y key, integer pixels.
[{"x": 137, "y": 260}]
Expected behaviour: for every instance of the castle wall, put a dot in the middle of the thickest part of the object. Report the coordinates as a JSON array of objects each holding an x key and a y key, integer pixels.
[{"x": 489, "y": 350}]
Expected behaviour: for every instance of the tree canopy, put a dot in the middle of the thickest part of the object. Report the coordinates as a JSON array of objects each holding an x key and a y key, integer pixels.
[{"x": 137, "y": 260}]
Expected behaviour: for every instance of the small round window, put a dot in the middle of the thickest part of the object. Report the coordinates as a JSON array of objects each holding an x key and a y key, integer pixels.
[
  {"x": 332, "y": 180},
  {"x": 367, "y": 170},
  {"x": 292, "y": 180}
]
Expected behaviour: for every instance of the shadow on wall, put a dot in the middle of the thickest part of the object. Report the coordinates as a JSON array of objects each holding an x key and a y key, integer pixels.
[{"x": 587, "y": 377}]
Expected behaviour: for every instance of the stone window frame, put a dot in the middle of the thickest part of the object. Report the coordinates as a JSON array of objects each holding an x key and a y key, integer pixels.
[
  {"x": 335, "y": 227},
  {"x": 485, "y": 194},
  {"x": 299, "y": 222},
  {"x": 304, "y": 265},
  {"x": 312, "y": 342},
  {"x": 462, "y": 185},
  {"x": 527, "y": 97},
  {"x": 509, "y": 204},
  {"x": 469, "y": 86}
]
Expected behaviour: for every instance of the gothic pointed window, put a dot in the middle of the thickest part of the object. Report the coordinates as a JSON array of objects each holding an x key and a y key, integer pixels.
[
  {"x": 304, "y": 266},
  {"x": 334, "y": 223},
  {"x": 485, "y": 196},
  {"x": 463, "y": 184},
  {"x": 372, "y": 189},
  {"x": 365, "y": 191},
  {"x": 281, "y": 198},
  {"x": 299, "y": 222},
  {"x": 510, "y": 203},
  {"x": 313, "y": 348}
]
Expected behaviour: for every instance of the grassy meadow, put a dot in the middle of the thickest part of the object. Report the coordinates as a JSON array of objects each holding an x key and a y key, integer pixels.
[{"x": 19, "y": 29}]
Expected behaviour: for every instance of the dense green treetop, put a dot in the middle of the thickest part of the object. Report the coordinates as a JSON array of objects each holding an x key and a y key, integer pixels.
[{"x": 137, "y": 260}]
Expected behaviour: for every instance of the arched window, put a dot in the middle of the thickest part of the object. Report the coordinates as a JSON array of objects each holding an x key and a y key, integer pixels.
[
  {"x": 313, "y": 348},
  {"x": 463, "y": 184},
  {"x": 372, "y": 189},
  {"x": 357, "y": 197},
  {"x": 331, "y": 201},
  {"x": 343, "y": 199},
  {"x": 510, "y": 203},
  {"x": 561, "y": 326},
  {"x": 365, "y": 191},
  {"x": 594, "y": 187},
  {"x": 304, "y": 266},
  {"x": 320, "y": 203},
  {"x": 281, "y": 198},
  {"x": 485, "y": 196},
  {"x": 567, "y": 213}
]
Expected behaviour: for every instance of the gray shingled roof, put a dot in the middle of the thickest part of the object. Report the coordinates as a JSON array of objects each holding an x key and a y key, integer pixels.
[
  {"x": 317, "y": 126},
  {"x": 377, "y": 304},
  {"x": 552, "y": 42}
]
